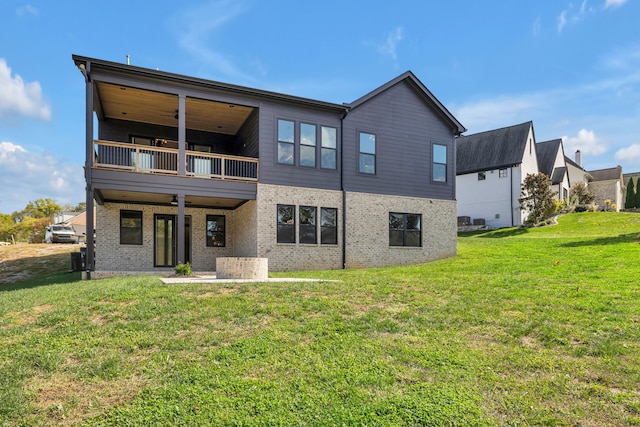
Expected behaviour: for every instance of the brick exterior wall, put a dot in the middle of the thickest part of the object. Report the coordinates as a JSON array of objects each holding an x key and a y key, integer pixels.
[
  {"x": 367, "y": 230},
  {"x": 112, "y": 256},
  {"x": 245, "y": 230},
  {"x": 296, "y": 256},
  {"x": 251, "y": 231}
]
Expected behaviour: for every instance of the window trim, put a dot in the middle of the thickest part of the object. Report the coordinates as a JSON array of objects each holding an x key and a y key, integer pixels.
[
  {"x": 292, "y": 225},
  {"x": 503, "y": 173},
  {"x": 445, "y": 164},
  {"x": 138, "y": 213},
  {"x": 326, "y": 227},
  {"x": 405, "y": 231},
  {"x": 209, "y": 242},
  {"x": 291, "y": 143},
  {"x": 315, "y": 146},
  {"x": 314, "y": 241},
  {"x": 374, "y": 154},
  {"x": 323, "y": 148}
]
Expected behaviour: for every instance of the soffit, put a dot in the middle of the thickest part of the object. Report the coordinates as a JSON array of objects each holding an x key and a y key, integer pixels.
[{"x": 145, "y": 106}]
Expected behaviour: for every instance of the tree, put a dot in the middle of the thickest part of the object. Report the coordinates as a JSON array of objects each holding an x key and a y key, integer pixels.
[
  {"x": 40, "y": 208},
  {"x": 637, "y": 198},
  {"x": 581, "y": 194},
  {"x": 537, "y": 197},
  {"x": 630, "y": 198}
]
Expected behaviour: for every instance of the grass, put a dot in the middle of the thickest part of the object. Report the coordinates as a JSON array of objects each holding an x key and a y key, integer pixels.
[{"x": 523, "y": 327}]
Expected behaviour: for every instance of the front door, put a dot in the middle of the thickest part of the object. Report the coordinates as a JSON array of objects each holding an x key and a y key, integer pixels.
[{"x": 165, "y": 253}]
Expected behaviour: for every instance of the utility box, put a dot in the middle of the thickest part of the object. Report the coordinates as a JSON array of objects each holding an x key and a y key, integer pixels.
[
  {"x": 464, "y": 220},
  {"x": 478, "y": 221}
]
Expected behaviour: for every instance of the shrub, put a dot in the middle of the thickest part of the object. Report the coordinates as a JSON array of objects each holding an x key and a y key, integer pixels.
[{"x": 183, "y": 269}]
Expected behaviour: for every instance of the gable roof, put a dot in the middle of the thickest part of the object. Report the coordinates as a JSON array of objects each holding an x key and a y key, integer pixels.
[
  {"x": 572, "y": 162},
  {"x": 547, "y": 152},
  {"x": 420, "y": 88},
  {"x": 493, "y": 149},
  {"x": 558, "y": 175},
  {"x": 609, "y": 174}
]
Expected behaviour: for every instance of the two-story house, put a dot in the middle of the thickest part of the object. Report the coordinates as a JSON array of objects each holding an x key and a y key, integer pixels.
[
  {"x": 184, "y": 169},
  {"x": 551, "y": 161},
  {"x": 491, "y": 168}
]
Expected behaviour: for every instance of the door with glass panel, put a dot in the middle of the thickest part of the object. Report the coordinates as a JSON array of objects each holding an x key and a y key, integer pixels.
[{"x": 165, "y": 240}]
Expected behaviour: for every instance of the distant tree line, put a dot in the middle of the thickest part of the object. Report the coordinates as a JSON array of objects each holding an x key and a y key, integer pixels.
[
  {"x": 29, "y": 224},
  {"x": 632, "y": 199}
]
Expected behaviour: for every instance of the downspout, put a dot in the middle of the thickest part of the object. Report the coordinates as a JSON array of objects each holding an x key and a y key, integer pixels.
[
  {"x": 344, "y": 194},
  {"x": 85, "y": 69},
  {"x": 511, "y": 181}
]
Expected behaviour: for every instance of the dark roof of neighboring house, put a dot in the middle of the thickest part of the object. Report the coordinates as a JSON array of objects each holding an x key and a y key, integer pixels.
[
  {"x": 608, "y": 174},
  {"x": 547, "y": 152},
  {"x": 572, "y": 162},
  {"x": 558, "y": 175},
  {"x": 416, "y": 83},
  {"x": 493, "y": 149}
]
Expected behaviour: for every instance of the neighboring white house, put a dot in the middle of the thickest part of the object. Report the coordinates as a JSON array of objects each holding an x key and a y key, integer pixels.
[
  {"x": 551, "y": 161},
  {"x": 576, "y": 171},
  {"x": 491, "y": 168}
]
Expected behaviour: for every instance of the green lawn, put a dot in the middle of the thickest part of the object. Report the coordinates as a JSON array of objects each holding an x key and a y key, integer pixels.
[{"x": 523, "y": 327}]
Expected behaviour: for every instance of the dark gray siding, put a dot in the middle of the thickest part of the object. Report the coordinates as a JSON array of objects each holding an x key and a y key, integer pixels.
[
  {"x": 247, "y": 143},
  {"x": 405, "y": 127},
  {"x": 273, "y": 173},
  {"x": 122, "y": 130}
]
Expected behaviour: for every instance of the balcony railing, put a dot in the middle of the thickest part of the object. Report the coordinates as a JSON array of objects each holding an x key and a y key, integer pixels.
[{"x": 145, "y": 159}]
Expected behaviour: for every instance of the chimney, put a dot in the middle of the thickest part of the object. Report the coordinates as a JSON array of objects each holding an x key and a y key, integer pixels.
[{"x": 579, "y": 158}]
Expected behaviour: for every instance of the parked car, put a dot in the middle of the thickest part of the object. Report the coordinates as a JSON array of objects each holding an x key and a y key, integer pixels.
[{"x": 61, "y": 234}]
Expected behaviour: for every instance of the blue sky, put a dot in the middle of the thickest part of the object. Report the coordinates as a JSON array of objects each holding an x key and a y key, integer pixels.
[{"x": 572, "y": 67}]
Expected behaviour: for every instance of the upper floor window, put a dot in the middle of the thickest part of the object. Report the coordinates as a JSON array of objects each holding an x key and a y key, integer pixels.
[
  {"x": 307, "y": 145},
  {"x": 405, "y": 229},
  {"x": 286, "y": 142},
  {"x": 286, "y": 224},
  {"x": 439, "y": 163},
  {"x": 130, "y": 227},
  {"x": 328, "y": 148},
  {"x": 215, "y": 230},
  {"x": 482, "y": 176},
  {"x": 502, "y": 173},
  {"x": 367, "y": 153}
]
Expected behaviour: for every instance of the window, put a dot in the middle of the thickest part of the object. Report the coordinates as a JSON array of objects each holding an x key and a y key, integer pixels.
[
  {"x": 286, "y": 224},
  {"x": 328, "y": 147},
  {"x": 367, "y": 149},
  {"x": 216, "y": 231},
  {"x": 286, "y": 142},
  {"x": 502, "y": 173},
  {"x": 439, "y": 173},
  {"x": 481, "y": 176},
  {"x": 307, "y": 145},
  {"x": 405, "y": 229},
  {"x": 130, "y": 227},
  {"x": 329, "y": 226},
  {"x": 308, "y": 230}
]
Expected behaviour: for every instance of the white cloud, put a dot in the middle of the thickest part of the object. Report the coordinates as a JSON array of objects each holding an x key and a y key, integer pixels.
[
  {"x": 389, "y": 47},
  {"x": 562, "y": 20},
  {"x": 536, "y": 26},
  {"x": 629, "y": 154},
  {"x": 27, "y": 176},
  {"x": 614, "y": 3},
  {"x": 586, "y": 141},
  {"x": 573, "y": 16},
  {"x": 200, "y": 31},
  {"x": 18, "y": 98},
  {"x": 27, "y": 9},
  {"x": 494, "y": 113}
]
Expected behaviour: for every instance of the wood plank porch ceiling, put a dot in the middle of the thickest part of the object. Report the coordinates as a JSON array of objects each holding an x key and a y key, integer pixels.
[{"x": 144, "y": 106}]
